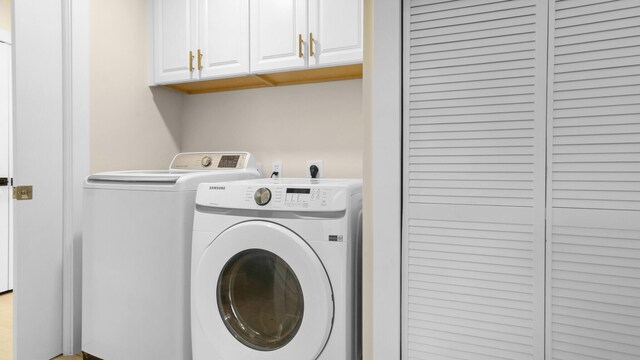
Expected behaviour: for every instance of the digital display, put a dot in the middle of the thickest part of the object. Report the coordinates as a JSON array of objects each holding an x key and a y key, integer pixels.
[
  {"x": 229, "y": 161},
  {"x": 298, "y": 191}
]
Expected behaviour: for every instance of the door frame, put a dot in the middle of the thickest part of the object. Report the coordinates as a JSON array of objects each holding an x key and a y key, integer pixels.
[
  {"x": 382, "y": 191},
  {"x": 76, "y": 162},
  {"x": 75, "y": 97}
]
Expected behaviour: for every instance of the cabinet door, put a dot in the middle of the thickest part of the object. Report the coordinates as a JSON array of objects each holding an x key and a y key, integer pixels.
[
  {"x": 223, "y": 37},
  {"x": 172, "y": 37},
  {"x": 336, "y": 26},
  {"x": 275, "y": 29}
]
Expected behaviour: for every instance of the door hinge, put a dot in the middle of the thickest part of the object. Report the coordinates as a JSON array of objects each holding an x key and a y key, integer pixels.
[{"x": 23, "y": 192}]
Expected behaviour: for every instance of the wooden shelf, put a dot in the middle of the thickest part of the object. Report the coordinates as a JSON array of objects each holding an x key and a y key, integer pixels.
[{"x": 269, "y": 80}]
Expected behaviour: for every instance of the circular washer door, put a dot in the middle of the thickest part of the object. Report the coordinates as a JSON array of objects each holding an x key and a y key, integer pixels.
[{"x": 261, "y": 293}]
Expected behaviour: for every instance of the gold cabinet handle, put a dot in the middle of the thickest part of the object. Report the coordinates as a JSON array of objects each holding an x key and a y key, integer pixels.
[
  {"x": 190, "y": 61},
  {"x": 299, "y": 45},
  {"x": 311, "y": 53},
  {"x": 199, "y": 59}
]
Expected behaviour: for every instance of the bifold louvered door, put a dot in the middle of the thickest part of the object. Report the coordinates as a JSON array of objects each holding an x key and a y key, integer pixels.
[
  {"x": 593, "y": 281},
  {"x": 474, "y": 179}
]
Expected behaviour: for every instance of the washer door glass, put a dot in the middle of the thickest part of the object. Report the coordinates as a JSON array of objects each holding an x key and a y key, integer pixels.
[{"x": 260, "y": 299}]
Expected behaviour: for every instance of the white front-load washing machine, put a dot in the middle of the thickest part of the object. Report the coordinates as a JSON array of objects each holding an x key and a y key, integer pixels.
[
  {"x": 276, "y": 270},
  {"x": 137, "y": 252}
]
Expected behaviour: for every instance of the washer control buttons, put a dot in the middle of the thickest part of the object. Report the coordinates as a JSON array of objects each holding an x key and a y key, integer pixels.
[
  {"x": 262, "y": 196},
  {"x": 206, "y": 161}
]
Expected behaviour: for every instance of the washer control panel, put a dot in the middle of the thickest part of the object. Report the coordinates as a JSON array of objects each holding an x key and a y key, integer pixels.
[
  {"x": 209, "y": 161},
  {"x": 301, "y": 198},
  {"x": 307, "y": 198},
  {"x": 282, "y": 197}
]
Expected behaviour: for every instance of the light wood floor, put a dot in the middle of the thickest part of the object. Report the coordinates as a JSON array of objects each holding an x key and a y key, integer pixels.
[
  {"x": 6, "y": 327},
  {"x": 74, "y": 357}
]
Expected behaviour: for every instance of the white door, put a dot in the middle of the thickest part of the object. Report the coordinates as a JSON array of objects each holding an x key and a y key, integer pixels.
[
  {"x": 278, "y": 35},
  {"x": 474, "y": 179},
  {"x": 260, "y": 292},
  {"x": 336, "y": 28},
  {"x": 38, "y": 161},
  {"x": 593, "y": 231},
  {"x": 174, "y": 40},
  {"x": 223, "y": 40},
  {"x": 5, "y": 200}
]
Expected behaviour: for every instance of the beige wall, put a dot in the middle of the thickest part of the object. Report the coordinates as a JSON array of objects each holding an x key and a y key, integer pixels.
[
  {"x": 132, "y": 125},
  {"x": 137, "y": 127},
  {"x": 291, "y": 123},
  {"x": 5, "y": 15}
]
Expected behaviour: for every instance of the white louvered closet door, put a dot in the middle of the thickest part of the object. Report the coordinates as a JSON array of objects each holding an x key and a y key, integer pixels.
[
  {"x": 474, "y": 179},
  {"x": 594, "y": 161}
]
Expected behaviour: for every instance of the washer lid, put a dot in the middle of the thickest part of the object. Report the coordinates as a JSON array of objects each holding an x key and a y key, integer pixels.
[
  {"x": 152, "y": 176},
  {"x": 260, "y": 292},
  {"x": 187, "y": 170}
]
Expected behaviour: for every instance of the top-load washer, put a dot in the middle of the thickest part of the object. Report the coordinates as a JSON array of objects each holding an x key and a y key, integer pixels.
[
  {"x": 136, "y": 255},
  {"x": 276, "y": 270}
]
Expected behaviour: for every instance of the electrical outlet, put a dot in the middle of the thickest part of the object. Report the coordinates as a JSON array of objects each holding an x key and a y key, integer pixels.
[
  {"x": 276, "y": 167},
  {"x": 319, "y": 164}
]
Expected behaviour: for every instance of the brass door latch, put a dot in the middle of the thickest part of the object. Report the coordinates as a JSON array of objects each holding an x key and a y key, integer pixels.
[{"x": 23, "y": 192}]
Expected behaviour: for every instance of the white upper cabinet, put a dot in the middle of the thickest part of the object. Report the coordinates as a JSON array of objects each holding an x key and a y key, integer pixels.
[
  {"x": 296, "y": 34},
  {"x": 200, "y": 39},
  {"x": 278, "y": 35},
  {"x": 210, "y": 39},
  {"x": 335, "y": 32},
  {"x": 223, "y": 37},
  {"x": 172, "y": 29}
]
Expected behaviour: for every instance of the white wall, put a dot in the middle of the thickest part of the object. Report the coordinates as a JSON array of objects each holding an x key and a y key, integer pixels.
[
  {"x": 132, "y": 126},
  {"x": 5, "y": 15},
  {"x": 291, "y": 123}
]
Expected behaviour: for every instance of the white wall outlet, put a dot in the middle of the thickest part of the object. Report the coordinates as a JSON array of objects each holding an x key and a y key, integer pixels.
[
  {"x": 319, "y": 164},
  {"x": 276, "y": 167}
]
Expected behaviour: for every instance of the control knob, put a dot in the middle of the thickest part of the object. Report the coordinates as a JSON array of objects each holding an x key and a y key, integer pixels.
[
  {"x": 262, "y": 196},
  {"x": 206, "y": 161}
]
